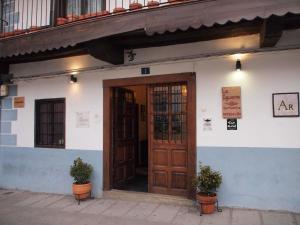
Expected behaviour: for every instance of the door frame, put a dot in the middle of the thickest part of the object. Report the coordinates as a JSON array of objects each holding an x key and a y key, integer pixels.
[{"x": 190, "y": 79}]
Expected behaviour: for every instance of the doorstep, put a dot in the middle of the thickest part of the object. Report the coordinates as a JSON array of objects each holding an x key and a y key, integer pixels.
[{"x": 147, "y": 197}]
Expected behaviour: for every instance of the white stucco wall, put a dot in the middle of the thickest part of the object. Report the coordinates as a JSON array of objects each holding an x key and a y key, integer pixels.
[{"x": 262, "y": 75}]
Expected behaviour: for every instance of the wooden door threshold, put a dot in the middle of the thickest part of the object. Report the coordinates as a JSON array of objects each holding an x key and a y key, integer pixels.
[{"x": 147, "y": 197}]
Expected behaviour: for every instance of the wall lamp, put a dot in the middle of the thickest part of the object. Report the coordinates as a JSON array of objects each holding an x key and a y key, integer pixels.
[
  {"x": 73, "y": 79},
  {"x": 238, "y": 65}
]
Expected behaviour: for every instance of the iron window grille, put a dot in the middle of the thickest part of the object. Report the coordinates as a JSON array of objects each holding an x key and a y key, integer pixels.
[{"x": 50, "y": 123}]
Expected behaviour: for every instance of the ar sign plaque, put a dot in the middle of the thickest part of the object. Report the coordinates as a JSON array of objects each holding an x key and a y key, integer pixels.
[
  {"x": 286, "y": 104},
  {"x": 231, "y": 124}
]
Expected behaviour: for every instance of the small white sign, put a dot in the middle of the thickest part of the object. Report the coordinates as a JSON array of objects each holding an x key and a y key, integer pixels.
[
  {"x": 207, "y": 124},
  {"x": 82, "y": 119},
  {"x": 286, "y": 104},
  {"x": 3, "y": 90}
]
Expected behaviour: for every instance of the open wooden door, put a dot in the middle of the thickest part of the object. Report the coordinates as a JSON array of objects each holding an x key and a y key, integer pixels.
[
  {"x": 124, "y": 136},
  {"x": 168, "y": 139}
]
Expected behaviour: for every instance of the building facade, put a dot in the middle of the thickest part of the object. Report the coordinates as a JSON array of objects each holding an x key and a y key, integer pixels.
[{"x": 149, "y": 101}]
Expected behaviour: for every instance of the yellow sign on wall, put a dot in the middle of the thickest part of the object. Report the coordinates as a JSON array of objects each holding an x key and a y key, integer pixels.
[{"x": 19, "y": 102}]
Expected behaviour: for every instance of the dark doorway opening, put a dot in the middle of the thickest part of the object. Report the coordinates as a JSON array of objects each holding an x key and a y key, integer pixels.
[{"x": 130, "y": 138}]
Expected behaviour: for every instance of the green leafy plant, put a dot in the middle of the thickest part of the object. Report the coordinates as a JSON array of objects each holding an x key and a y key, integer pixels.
[
  {"x": 207, "y": 181},
  {"x": 80, "y": 171}
]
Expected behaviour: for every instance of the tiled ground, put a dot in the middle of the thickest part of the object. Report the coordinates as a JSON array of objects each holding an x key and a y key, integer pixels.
[{"x": 26, "y": 208}]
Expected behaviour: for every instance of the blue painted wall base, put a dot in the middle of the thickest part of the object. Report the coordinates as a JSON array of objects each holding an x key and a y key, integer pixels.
[
  {"x": 46, "y": 170},
  {"x": 260, "y": 178}
]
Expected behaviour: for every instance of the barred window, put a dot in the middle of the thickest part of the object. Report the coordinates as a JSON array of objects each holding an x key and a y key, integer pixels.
[
  {"x": 8, "y": 15},
  {"x": 50, "y": 123},
  {"x": 81, "y": 7}
]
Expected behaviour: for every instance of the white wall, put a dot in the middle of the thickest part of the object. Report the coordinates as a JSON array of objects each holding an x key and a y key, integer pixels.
[{"x": 262, "y": 75}]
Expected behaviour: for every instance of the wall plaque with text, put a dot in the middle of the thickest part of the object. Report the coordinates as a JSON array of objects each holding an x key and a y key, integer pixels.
[
  {"x": 286, "y": 104},
  {"x": 82, "y": 119},
  {"x": 231, "y": 102},
  {"x": 19, "y": 102}
]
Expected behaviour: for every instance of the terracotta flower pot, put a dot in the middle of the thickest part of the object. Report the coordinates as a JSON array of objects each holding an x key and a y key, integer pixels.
[
  {"x": 71, "y": 18},
  {"x": 175, "y": 1},
  {"x": 19, "y": 31},
  {"x": 9, "y": 33},
  {"x": 82, "y": 191},
  {"x": 119, "y": 10},
  {"x": 207, "y": 204},
  {"x": 152, "y": 4},
  {"x": 81, "y": 17},
  {"x": 61, "y": 20},
  {"x": 103, "y": 13},
  {"x": 89, "y": 15},
  {"x": 135, "y": 6},
  {"x": 34, "y": 28}
]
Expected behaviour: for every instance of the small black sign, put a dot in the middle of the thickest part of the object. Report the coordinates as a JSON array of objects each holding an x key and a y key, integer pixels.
[
  {"x": 145, "y": 70},
  {"x": 231, "y": 124}
]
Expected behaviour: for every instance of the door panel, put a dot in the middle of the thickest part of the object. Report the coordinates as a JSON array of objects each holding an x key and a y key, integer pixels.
[
  {"x": 168, "y": 149},
  {"x": 124, "y": 136}
]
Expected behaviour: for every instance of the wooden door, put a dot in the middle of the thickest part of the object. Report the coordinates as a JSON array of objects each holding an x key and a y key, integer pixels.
[
  {"x": 168, "y": 144},
  {"x": 124, "y": 136}
]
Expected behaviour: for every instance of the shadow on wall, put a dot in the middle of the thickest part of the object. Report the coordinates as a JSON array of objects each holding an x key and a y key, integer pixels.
[{"x": 46, "y": 170}]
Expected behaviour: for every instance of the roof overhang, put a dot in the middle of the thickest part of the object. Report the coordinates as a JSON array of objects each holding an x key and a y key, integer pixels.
[{"x": 177, "y": 17}]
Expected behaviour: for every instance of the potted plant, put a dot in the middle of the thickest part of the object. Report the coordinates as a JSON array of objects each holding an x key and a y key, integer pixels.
[
  {"x": 119, "y": 10},
  {"x": 81, "y": 172},
  {"x": 83, "y": 16},
  {"x": 206, "y": 182},
  {"x": 175, "y": 1},
  {"x": 61, "y": 21},
  {"x": 103, "y": 13},
  {"x": 19, "y": 31},
  {"x": 8, "y": 33},
  {"x": 135, "y": 5},
  {"x": 152, "y": 3},
  {"x": 34, "y": 28},
  {"x": 89, "y": 15},
  {"x": 72, "y": 17}
]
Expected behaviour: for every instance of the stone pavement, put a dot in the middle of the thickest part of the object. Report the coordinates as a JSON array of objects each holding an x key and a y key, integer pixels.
[{"x": 26, "y": 208}]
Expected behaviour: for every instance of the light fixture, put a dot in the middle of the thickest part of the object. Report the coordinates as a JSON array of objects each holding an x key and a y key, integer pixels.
[
  {"x": 238, "y": 65},
  {"x": 184, "y": 90},
  {"x": 73, "y": 79}
]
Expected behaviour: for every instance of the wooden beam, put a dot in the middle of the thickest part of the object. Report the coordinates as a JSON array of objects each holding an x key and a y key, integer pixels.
[
  {"x": 291, "y": 21},
  {"x": 4, "y": 72},
  {"x": 106, "y": 50},
  {"x": 271, "y": 31},
  {"x": 4, "y": 68}
]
